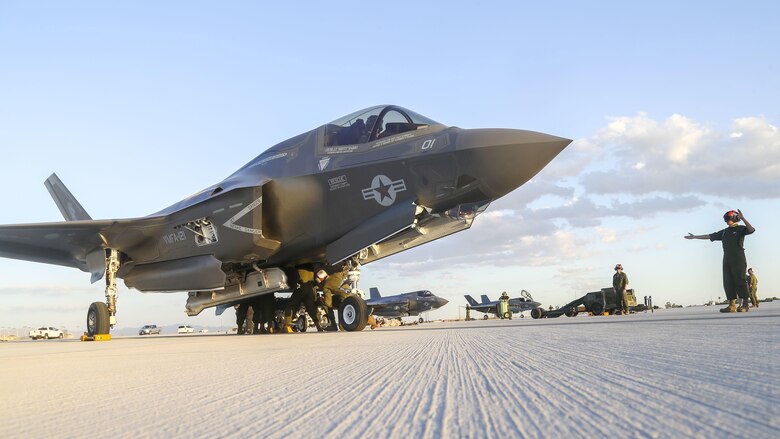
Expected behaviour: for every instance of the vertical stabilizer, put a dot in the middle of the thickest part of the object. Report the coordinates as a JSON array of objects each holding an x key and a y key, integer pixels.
[
  {"x": 69, "y": 207},
  {"x": 374, "y": 293},
  {"x": 485, "y": 299},
  {"x": 471, "y": 300}
]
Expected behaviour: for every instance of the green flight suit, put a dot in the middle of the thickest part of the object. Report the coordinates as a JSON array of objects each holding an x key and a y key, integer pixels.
[
  {"x": 620, "y": 283},
  {"x": 734, "y": 260}
]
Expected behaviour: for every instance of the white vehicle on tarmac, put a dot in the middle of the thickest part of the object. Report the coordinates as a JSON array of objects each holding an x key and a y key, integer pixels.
[
  {"x": 185, "y": 329},
  {"x": 149, "y": 330},
  {"x": 46, "y": 332}
]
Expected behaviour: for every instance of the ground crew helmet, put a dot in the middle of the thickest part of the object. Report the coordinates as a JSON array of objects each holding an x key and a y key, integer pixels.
[
  {"x": 618, "y": 267},
  {"x": 321, "y": 275},
  {"x": 731, "y": 215}
]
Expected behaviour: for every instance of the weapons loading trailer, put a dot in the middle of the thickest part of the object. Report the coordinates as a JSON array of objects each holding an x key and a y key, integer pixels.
[{"x": 595, "y": 302}]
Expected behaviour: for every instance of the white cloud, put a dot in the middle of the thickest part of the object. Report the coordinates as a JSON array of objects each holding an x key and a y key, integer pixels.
[
  {"x": 635, "y": 168},
  {"x": 607, "y": 235},
  {"x": 679, "y": 155}
]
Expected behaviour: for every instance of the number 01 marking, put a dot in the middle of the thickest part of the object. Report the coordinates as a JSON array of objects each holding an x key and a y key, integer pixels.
[{"x": 428, "y": 144}]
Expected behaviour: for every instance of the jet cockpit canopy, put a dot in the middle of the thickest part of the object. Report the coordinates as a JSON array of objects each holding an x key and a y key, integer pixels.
[{"x": 374, "y": 123}]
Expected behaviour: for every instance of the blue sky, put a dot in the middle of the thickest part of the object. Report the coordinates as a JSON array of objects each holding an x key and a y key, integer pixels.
[{"x": 673, "y": 107}]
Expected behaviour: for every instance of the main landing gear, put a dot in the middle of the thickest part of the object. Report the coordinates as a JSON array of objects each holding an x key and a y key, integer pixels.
[
  {"x": 353, "y": 311},
  {"x": 101, "y": 317}
]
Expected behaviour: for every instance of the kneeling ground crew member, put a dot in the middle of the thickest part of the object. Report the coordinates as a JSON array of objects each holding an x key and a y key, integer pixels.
[
  {"x": 332, "y": 286},
  {"x": 734, "y": 261},
  {"x": 331, "y": 279},
  {"x": 305, "y": 294}
]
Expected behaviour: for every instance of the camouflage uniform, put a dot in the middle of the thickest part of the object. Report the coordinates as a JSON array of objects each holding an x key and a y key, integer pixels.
[
  {"x": 241, "y": 312},
  {"x": 753, "y": 286}
]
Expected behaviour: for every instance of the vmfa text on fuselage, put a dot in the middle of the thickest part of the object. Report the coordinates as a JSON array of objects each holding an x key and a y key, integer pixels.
[{"x": 368, "y": 185}]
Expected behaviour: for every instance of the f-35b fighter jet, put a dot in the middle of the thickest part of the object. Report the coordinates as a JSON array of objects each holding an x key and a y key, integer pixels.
[
  {"x": 403, "y": 305},
  {"x": 516, "y": 305},
  {"x": 363, "y": 187}
]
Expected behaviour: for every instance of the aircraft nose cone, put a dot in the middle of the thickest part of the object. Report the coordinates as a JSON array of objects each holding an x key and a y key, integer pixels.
[
  {"x": 441, "y": 302},
  {"x": 502, "y": 160}
]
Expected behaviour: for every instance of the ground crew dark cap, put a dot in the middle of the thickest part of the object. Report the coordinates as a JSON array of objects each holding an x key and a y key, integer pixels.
[{"x": 618, "y": 266}]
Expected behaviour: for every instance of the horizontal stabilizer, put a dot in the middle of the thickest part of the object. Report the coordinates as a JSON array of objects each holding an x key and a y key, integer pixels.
[
  {"x": 70, "y": 208},
  {"x": 374, "y": 293}
]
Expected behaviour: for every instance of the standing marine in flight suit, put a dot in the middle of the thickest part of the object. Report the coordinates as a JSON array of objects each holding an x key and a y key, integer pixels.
[
  {"x": 620, "y": 283},
  {"x": 241, "y": 311},
  {"x": 752, "y": 282},
  {"x": 734, "y": 261}
]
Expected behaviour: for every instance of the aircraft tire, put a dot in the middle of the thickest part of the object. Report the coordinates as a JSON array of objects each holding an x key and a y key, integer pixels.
[
  {"x": 97, "y": 319},
  {"x": 597, "y": 309},
  {"x": 353, "y": 313},
  {"x": 45, "y": 336},
  {"x": 421, "y": 321},
  {"x": 537, "y": 313},
  {"x": 485, "y": 317},
  {"x": 301, "y": 324}
]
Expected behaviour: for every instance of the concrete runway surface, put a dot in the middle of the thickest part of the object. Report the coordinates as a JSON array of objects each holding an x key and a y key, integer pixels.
[{"x": 674, "y": 373}]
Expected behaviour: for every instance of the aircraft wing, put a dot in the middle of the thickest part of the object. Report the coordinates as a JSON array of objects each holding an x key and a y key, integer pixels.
[
  {"x": 484, "y": 308},
  {"x": 384, "y": 304},
  {"x": 61, "y": 243},
  {"x": 70, "y": 243}
]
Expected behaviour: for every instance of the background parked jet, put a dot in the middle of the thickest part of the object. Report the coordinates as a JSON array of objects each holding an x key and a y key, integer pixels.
[
  {"x": 403, "y": 305},
  {"x": 516, "y": 305},
  {"x": 363, "y": 187}
]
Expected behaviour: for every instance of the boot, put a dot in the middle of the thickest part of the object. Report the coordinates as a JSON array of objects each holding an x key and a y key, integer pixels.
[
  {"x": 744, "y": 307},
  {"x": 732, "y": 307}
]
